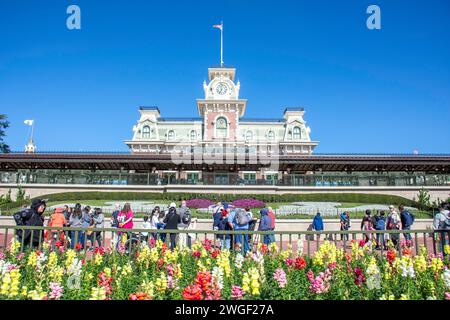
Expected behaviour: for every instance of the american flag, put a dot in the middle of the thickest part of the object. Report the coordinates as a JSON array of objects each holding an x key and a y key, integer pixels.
[{"x": 218, "y": 26}]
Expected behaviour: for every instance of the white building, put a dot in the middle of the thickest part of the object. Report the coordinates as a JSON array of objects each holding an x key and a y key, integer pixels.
[{"x": 221, "y": 122}]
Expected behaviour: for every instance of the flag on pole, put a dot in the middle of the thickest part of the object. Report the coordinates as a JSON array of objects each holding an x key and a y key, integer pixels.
[
  {"x": 29, "y": 122},
  {"x": 218, "y": 26}
]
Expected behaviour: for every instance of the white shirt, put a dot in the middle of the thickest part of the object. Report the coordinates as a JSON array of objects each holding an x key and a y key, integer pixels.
[{"x": 146, "y": 225}]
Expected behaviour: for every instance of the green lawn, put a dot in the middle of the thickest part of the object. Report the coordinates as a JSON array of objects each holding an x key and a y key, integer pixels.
[{"x": 202, "y": 215}]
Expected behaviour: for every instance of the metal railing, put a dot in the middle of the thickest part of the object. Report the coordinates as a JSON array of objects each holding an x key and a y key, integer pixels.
[{"x": 432, "y": 240}]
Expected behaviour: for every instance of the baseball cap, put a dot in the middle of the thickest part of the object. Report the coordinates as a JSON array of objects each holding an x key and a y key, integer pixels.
[{"x": 173, "y": 205}]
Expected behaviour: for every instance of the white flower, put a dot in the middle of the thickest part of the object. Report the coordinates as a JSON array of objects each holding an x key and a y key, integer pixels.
[
  {"x": 239, "y": 260},
  {"x": 446, "y": 277},
  {"x": 300, "y": 246},
  {"x": 217, "y": 276},
  {"x": 374, "y": 282}
]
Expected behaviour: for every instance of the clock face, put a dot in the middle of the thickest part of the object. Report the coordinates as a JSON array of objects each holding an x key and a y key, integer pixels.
[{"x": 221, "y": 88}]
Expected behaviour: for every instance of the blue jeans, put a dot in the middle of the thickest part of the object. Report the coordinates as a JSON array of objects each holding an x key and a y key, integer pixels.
[
  {"x": 73, "y": 235},
  {"x": 380, "y": 240},
  {"x": 238, "y": 239},
  {"x": 267, "y": 239},
  {"x": 272, "y": 236},
  {"x": 162, "y": 236},
  {"x": 226, "y": 243},
  {"x": 407, "y": 235}
]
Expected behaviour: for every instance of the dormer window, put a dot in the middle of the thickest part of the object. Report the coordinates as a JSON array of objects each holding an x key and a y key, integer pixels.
[
  {"x": 171, "y": 135},
  {"x": 249, "y": 135},
  {"x": 193, "y": 135},
  {"x": 296, "y": 135},
  {"x": 146, "y": 132}
]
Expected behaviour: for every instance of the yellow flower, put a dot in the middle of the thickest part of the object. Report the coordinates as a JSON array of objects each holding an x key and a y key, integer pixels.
[
  {"x": 98, "y": 259},
  {"x": 404, "y": 297},
  {"x": 223, "y": 260},
  {"x": 154, "y": 254},
  {"x": 46, "y": 245},
  {"x": 148, "y": 287},
  {"x": 436, "y": 265},
  {"x": 70, "y": 257},
  {"x": 24, "y": 292},
  {"x": 107, "y": 271},
  {"x": 56, "y": 274},
  {"x": 389, "y": 297},
  {"x": 161, "y": 282},
  {"x": 52, "y": 260},
  {"x": 98, "y": 293},
  {"x": 250, "y": 281},
  {"x": 37, "y": 294},
  {"x": 420, "y": 263},
  {"x": 32, "y": 260},
  {"x": 14, "y": 247},
  {"x": 447, "y": 249}
]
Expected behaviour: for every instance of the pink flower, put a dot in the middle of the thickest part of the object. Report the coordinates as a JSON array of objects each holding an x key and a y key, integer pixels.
[
  {"x": 447, "y": 296},
  {"x": 280, "y": 276},
  {"x": 289, "y": 262},
  {"x": 56, "y": 291},
  {"x": 237, "y": 292}
]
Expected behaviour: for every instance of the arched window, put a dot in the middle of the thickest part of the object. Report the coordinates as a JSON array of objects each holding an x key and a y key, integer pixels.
[
  {"x": 221, "y": 127},
  {"x": 296, "y": 133},
  {"x": 249, "y": 135},
  {"x": 171, "y": 135},
  {"x": 193, "y": 135},
  {"x": 146, "y": 132},
  {"x": 271, "y": 135}
]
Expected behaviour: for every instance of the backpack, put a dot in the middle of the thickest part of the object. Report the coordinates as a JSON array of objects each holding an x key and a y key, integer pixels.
[
  {"x": 186, "y": 217},
  {"x": 222, "y": 223},
  {"x": 409, "y": 218},
  {"x": 242, "y": 217},
  {"x": 381, "y": 223}
]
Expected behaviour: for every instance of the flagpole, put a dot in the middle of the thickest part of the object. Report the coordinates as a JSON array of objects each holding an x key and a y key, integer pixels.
[
  {"x": 32, "y": 131},
  {"x": 221, "y": 44}
]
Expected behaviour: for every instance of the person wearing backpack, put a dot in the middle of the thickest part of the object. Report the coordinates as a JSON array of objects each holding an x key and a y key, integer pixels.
[
  {"x": 379, "y": 226},
  {"x": 185, "y": 221},
  {"x": 317, "y": 224},
  {"x": 241, "y": 222},
  {"x": 31, "y": 217},
  {"x": 265, "y": 225},
  {"x": 344, "y": 221},
  {"x": 221, "y": 224},
  {"x": 393, "y": 223},
  {"x": 407, "y": 219},
  {"x": 441, "y": 221},
  {"x": 172, "y": 220}
]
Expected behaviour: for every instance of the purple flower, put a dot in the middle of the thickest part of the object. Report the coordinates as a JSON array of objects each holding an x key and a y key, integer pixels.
[
  {"x": 248, "y": 203},
  {"x": 199, "y": 203}
]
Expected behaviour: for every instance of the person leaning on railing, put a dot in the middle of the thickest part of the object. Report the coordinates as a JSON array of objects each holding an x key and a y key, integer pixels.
[
  {"x": 31, "y": 217},
  {"x": 441, "y": 221}
]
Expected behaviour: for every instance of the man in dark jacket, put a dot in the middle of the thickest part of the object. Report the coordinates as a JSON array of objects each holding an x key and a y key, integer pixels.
[
  {"x": 172, "y": 220},
  {"x": 407, "y": 219},
  {"x": 265, "y": 225},
  {"x": 32, "y": 217}
]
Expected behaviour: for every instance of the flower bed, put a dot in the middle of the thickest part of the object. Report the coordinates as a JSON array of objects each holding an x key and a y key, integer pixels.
[
  {"x": 248, "y": 203},
  {"x": 154, "y": 272},
  {"x": 199, "y": 203}
]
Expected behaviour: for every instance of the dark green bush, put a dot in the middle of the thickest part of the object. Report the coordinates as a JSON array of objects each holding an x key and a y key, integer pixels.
[{"x": 147, "y": 196}]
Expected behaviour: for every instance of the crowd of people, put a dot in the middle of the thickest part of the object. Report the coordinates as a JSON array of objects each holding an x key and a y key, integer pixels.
[
  {"x": 225, "y": 218},
  {"x": 229, "y": 218}
]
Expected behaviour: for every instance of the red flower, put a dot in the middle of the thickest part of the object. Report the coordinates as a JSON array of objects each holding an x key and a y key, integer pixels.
[
  {"x": 83, "y": 262},
  {"x": 192, "y": 292},
  {"x": 391, "y": 254},
  {"x": 140, "y": 296},
  {"x": 58, "y": 243},
  {"x": 362, "y": 243},
  {"x": 332, "y": 265},
  {"x": 78, "y": 246},
  {"x": 264, "y": 249},
  {"x": 105, "y": 281},
  {"x": 160, "y": 263},
  {"x": 289, "y": 262},
  {"x": 207, "y": 244},
  {"x": 215, "y": 253},
  {"x": 99, "y": 250},
  {"x": 300, "y": 263},
  {"x": 152, "y": 242},
  {"x": 359, "y": 276},
  {"x": 196, "y": 254}
]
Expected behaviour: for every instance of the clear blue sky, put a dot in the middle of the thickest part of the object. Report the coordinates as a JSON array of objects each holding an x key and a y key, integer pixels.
[{"x": 364, "y": 91}]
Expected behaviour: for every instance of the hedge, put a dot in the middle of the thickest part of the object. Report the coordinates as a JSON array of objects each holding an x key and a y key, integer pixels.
[{"x": 146, "y": 196}]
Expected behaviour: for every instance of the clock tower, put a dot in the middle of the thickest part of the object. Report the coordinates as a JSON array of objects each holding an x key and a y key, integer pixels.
[{"x": 221, "y": 108}]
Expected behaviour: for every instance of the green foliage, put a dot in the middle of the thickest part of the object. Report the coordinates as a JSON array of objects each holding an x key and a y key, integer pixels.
[
  {"x": 146, "y": 196},
  {"x": 20, "y": 196},
  {"x": 424, "y": 198}
]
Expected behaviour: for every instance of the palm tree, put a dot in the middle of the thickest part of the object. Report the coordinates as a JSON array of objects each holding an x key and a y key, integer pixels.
[{"x": 4, "y": 148}]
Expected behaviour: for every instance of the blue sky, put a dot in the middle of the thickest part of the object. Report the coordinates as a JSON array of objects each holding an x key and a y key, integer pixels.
[{"x": 364, "y": 91}]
